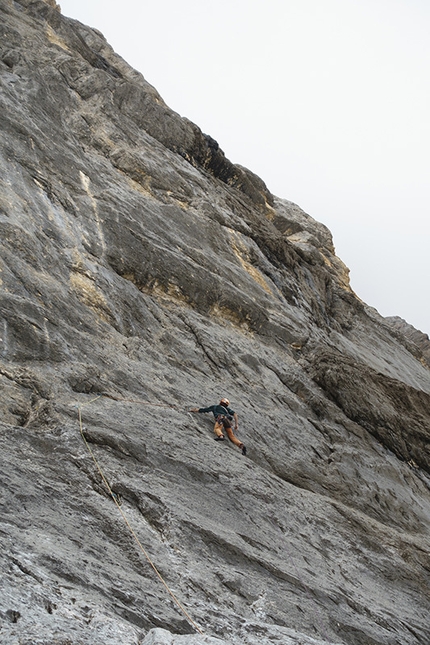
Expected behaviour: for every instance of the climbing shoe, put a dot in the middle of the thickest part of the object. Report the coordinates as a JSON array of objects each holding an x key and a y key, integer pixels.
[
  {"x": 221, "y": 438},
  {"x": 244, "y": 451}
]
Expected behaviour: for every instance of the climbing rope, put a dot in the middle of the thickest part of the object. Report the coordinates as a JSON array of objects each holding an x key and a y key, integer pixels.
[
  {"x": 318, "y": 618},
  {"x": 124, "y": 517}
]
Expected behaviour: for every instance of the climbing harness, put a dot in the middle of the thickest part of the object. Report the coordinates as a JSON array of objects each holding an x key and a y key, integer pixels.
[{"x": 124, "y": 517}]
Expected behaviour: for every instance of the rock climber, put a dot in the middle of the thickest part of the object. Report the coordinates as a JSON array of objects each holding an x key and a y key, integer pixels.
[{"x": 223, "y": 417}]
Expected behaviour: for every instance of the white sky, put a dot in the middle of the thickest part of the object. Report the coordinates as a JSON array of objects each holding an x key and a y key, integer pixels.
[{"x": 328, "y": 101}]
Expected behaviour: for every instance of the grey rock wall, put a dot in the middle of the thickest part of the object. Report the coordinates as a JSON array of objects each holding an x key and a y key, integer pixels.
[
  {"x": 415, "y": 337},
  {"x": 142, "y": 274}
]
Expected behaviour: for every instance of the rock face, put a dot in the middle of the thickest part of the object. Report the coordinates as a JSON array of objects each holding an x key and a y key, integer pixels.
[
  {"x": 142, "y": 274},
  {"x": 415, "y": 336}
]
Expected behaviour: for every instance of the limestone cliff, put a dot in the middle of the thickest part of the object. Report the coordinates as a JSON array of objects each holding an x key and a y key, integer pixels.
[
  {"x": 416, "y": 337},
  {"x": 142, "y": 273}
]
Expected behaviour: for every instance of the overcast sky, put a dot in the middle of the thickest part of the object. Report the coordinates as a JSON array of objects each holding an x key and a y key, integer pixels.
[{"x": 328, "y": 101}]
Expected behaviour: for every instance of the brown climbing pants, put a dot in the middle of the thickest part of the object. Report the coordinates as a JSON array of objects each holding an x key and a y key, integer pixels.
[{"x": 224, "y": 423}]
